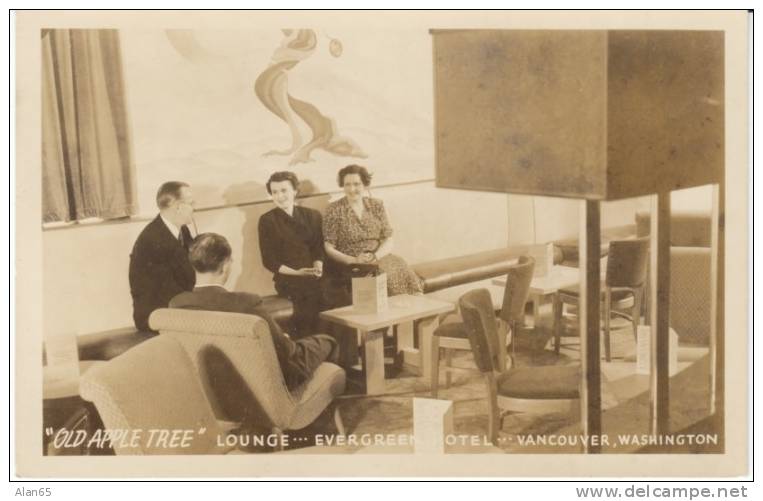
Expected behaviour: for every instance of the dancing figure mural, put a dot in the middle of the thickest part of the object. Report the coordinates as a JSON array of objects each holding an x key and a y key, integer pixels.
[{"x": 272, "y": 89}]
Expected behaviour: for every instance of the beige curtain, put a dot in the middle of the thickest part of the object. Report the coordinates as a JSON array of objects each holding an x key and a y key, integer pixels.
[{"x": 87, "y": 168}]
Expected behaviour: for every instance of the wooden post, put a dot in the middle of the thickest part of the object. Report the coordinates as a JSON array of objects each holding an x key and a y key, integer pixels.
[
  {"x": 590, "y": 357},
  {"x": 659, "y": 256},
  {"x": 716, "y": 303}
]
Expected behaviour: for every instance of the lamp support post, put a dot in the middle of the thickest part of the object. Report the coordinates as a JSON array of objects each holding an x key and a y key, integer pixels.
[
  {"x": 659, "y": 256},
  {"x": 716, "y": 303},
  {"x": 590, "y": 299}
]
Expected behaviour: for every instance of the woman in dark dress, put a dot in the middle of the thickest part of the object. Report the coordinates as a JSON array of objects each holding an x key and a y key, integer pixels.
[
  {"x": 291, "y": 243},
  {"x": 356, "y": 230}
]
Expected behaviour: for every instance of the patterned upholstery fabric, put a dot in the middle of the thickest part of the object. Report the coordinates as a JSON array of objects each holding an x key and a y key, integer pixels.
[
  {"x": 690, "y": 294},
  {"x": 152, "y": 387},
  {"x": 543, "y": 383},
  {"x": 245, "y": 340},
  {"x": 454, "y": 328},
  {"x": 689, "y": 273},
  {"x": 316, "y": 394}
]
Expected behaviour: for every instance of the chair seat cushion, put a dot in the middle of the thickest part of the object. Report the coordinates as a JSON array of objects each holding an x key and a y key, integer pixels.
[
  {"x": 454, "y": 329},
  {"x": 541, "y": 382},
  {"x": 328, "y": 382}
]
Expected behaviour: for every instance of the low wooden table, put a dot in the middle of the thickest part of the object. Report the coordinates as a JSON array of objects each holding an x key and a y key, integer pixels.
[{"x": 403, "y": 311}]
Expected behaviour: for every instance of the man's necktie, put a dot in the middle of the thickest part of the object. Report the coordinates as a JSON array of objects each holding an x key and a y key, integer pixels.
[{"x": 182, "y": 238}]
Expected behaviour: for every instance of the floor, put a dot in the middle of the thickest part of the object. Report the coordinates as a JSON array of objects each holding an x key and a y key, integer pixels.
[{"x": 624, "y": 400}]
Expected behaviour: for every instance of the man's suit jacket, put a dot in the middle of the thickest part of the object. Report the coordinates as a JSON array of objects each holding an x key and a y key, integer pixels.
[
  {"x": 298, "y": 360},
  {"x": 159, "y": 270}
]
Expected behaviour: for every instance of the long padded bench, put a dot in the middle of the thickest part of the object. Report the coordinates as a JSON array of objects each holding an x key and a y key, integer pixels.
[{"x": 436, "y": 275}]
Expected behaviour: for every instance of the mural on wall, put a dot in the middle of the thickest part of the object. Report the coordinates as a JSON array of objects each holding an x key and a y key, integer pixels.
[
  {"x": 223, "y": 109},
  {"x": 272, "y": 88}
]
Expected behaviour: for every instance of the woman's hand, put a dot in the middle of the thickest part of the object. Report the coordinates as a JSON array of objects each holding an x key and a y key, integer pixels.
[
  {"x": 317, "y": 271},
  {"x": 366, "y": 257},
  {"x": 318, "y": 267},
  {"x": 310, "y": 272}
]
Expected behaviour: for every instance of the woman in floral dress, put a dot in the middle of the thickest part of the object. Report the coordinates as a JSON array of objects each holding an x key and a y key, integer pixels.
[{"x": 356, "y": 230}]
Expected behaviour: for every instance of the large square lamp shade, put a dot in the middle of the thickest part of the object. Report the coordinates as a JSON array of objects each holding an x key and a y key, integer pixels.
[{"x": 599, "y": 115}]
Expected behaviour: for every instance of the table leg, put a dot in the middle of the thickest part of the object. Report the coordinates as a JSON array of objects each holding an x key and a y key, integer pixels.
[
  {"x": 536, "y": 311},
  {"x": 373, "y": 360},
  {"x": 405, "y": 338},
  {"x": 558, "y": 311},
  {"x": 426, "y": 329},
  {"x": 405, "y": 335}
]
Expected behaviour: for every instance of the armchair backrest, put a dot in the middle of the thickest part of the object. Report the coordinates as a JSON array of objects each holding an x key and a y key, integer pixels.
[
  {"x": 476, "y": 308},
  {"x": 152, "y": 386},
  {"x": 245, "y": 341}
]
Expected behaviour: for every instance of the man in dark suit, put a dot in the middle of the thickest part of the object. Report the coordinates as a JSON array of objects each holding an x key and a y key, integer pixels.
[
  {"x": 210, "y": 256},
  {"x": 159, "y": 266}
]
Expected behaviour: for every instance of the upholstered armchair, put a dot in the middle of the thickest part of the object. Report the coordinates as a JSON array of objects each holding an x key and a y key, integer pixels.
[
  {"x": 690, "y": 257},
  {"x": 237, "y": 365},
  {"x": 154, "y": 387}
]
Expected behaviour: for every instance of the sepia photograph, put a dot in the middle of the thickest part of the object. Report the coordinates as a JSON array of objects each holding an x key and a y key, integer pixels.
[{"x": 384, "y": 244}]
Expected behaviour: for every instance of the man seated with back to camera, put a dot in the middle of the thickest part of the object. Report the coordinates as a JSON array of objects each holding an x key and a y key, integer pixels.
[{"x": 210, "y": 256}]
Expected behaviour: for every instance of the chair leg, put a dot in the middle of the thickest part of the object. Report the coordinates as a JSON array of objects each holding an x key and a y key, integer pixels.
[
  {"x": 636, "y": 315},
  {"x": 338, "y": 421},
  {"x": 435, "y": 365},
  {"x": 558, "y": 317},
  {"x": 513, "y": 352},
  {"x": 503, "y": 340},
  {"x": 493, "y": 412},
  {"x": 607, "y": 315},
  {"x": 448, "y": 364}
]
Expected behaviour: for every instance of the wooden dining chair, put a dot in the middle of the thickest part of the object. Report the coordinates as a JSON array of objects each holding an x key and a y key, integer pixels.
[
  {"x": 622, "y": 290},
  {"x": 518, "y": 389},
  {"x": 451, "y": 334}
]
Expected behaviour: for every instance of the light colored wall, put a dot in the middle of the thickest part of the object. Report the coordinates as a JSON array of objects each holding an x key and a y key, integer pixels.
[
  {"x": 195, "y": 115},
  {"x": 85, "y": 268},
  {"x": 558, "y": 218}
]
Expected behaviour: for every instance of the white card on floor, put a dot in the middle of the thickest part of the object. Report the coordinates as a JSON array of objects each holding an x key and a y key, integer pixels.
[
  {"x": 432, "y": 423},
  {"x": 644, "y": 351}
]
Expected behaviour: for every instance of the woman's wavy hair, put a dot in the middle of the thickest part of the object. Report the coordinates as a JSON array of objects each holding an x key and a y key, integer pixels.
[
  {"x": 365, "y": 176},
  {"x": 285, "y": 175}
]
